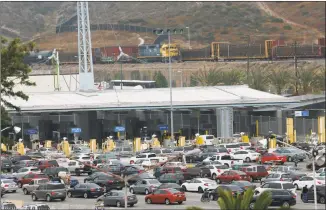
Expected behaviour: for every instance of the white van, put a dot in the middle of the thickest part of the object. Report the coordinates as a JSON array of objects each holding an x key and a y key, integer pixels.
[{"x": 208, "y": 139}]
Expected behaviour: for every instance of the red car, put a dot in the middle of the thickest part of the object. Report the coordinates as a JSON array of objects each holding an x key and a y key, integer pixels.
[
  {"x": 271, "y": 157},
  {"x": 229, "y": 176},
  {"x": 166, "y": 196},
  {"x": 29, "y": 177},
  {"x": 43, "y": 164},
  {"x": 255, "y": 172}
]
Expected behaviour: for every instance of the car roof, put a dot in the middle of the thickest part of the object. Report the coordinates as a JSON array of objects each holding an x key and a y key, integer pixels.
[{"x": 281, "y": 182}]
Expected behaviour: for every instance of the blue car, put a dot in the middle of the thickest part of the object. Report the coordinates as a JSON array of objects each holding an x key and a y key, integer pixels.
[{"x": 73, "y": 182}]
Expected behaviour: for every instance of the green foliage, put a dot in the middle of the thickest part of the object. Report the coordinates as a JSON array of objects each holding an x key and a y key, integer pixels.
[
  {"x": 135, "y": 75},
  {"x": 210, "y": 77},
  {"x": 193, "y": 208},
  {"x": 161, "y": 81},
  {"x": 233, "y": 77},
  {"x": 287, "y": 27},
  {"x": 280, "y": 79},
  {"x": 258, "y": 79},
  {"x": 227, "y": 201},
  {"x": 13, "y": 70},
  {"x": 193, "y": 81},
  {"x": 276, "y": 20}
]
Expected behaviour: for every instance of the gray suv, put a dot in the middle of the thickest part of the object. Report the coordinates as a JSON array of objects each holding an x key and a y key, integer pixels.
[{"x": 49, "y": 192}]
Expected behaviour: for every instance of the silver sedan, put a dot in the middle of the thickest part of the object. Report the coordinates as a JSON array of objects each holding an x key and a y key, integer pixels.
[
  {"x": 145, "y": 186},
  {"x": 9, "y": 185}
]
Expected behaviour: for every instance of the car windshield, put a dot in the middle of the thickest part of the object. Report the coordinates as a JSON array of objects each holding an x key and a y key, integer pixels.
[
  {"x": 173, "y": 191},
  {"x": 244, "y": 144},
  {"x": 222, "y": 149},
  {"x": 62, "y": 169},
  {"x": 188, "y": 148},
  {"x": 232, "y": 146},
  {"x": 127, "y": 149},
  {"x": 146, "y": 175},
  {"x": 243, "y": 183},
  {"x": 288, "y": 186},
  {"x": 42, "y": 181},
  {"x": 167, "y": 150},
  {"x": 222, "y": 167},
  {"x": 209, "y": 137},
  {"x": 55, "y": 186},
  {"x": 156, "y": 151},
  {"x": 34, "y": 169},
  {"x": 178, "y": 149},
  {"x": 8, "y": 181},
  {"x": 212, "y": 150}
]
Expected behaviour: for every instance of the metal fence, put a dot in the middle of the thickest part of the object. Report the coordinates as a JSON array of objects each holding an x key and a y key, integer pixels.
[{"x": 189, "y": 124}]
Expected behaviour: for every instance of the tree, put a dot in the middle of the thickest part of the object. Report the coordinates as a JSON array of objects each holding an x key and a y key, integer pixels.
[
  {"x": 227, "y": 201},
  {"x": 135, "y": 75},
  {"x": 258, "y": 79},
  {"x": 193, "y": 81},
  {"x": 14, "y": 71},
  {"x": 233, "y": 77},
  {"x": 160, "y": 80},
  {"x": 280, "y": 79},
  {"x": 319, "y": 80},
  {"x": 210, "y": 77},
  {"x": 308, "y": 79}
]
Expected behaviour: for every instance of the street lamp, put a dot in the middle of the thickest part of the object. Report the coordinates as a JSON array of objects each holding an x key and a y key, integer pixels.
[
  {"x": 161, "y": 32},
  {"x": 188, "y": 36}
]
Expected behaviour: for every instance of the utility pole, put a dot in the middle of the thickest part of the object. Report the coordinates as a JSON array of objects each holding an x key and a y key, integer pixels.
[
  {"x": 248, "y": 59},
  {"x": 296, "y": 68}
]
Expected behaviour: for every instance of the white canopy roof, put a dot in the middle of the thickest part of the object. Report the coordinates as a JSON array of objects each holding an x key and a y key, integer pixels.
[{"x": 156, "y": 98}]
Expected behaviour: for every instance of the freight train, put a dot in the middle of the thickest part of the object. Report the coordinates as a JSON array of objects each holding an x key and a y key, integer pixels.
[{"x": 217, "y": 51}]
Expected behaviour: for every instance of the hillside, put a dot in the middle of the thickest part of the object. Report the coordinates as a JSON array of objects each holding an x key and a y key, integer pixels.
[{"x": 208, "y": 21}]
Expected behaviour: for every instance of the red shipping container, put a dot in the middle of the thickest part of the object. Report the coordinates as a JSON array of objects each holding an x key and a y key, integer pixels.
[
  {"x": 278, "y": 43},
  {"x": 321, "y": 41}
]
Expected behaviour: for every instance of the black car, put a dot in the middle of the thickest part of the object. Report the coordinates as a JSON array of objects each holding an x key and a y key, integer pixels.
[
  {"x": 113, "y": 169},
  {"x": 108, "y": 182},
  {"x": 6, "y": 165},
  {"x": 283, "y": 198},
  {"x": 194, "y": 158},
  {"x": 87, "y": 190},
  {"x": 302, "y": 145},
  {"x": 172, "y": 178},
  {"x": 235, "y": 189},
  {"x": 244, "y": 184},
  {"x": 23, "y": 163},
  {"x": 320, "y": 194},
  {"x": 166, "y": 170},
  {"x": 53, "y": 171},
  {"x": 170, "y": 186},
  {"x": 197, "y": 172},
  {"x": 16, "y": 159},
  {"x": 132, "y": 169}
]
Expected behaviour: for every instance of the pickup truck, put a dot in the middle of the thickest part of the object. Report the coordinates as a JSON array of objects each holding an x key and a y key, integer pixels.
[
  {"x": 28, "y": 188},
  {"x": 224, "y": 160},
  {"x": 150, "y": 156}
]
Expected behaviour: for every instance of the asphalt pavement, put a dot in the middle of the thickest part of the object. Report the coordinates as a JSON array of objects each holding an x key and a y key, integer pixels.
[{"x": 193, "y": 199}]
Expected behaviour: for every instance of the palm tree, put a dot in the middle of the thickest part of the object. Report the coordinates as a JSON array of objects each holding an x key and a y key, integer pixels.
[
  {"x": 258, "y": 79},
  {"x": 227, "y": 201},
  {"x": 193, "y": 208},
  {"x": 318, "y": 83},
  {"x": 210, "y": 77},
  {"x": 233, "y": 77},
  {"x": 280, "y": 79}
]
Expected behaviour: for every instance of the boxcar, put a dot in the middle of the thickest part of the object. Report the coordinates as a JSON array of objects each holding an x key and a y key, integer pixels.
[
  {"x": 196, "y": 54},
  {"x": 302, "y": 51}
]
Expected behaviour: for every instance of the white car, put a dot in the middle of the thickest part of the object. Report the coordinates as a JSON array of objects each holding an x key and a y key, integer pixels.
[
  {"x": 231, "y": 147},
  {"x": 199, "y": 185},
  {"x": 276, "y": 185},
  {"x": 309, "y": 181},
  {"x": 244, "y": 145},
  {"x": 26, "y": 170},
  {"x": 151, "y": 156},
  {"x": 216, "y": 170},
  {"x": 144, "y": 163},
  {"x": 81, "y": 158},
  {"x": 9, "y": 185},
  {"x": 246, "y": 155}
]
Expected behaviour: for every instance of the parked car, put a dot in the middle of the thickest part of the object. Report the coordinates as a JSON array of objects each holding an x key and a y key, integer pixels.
[
  {"x": 246, "y": 155},
  {"x": 235, "y": 190},
  {"x": 27, "y": 170},
  {"x": 56, "y": 172},
  {"x": 86, "y": 190},
  {"x": 112, "y": 169},
  {"x": 108, "y": 182},
  {"x": 273, "y": 158},
  {"x": 49, "y": 192},
  {"x": 144, "y": 186},
  {"x": 15, "y": 159},
  {"x": 216, "y": 170},
  {"x": 309, "y": 181},
  {"x": 244, "y": 184},
  {"x": 224, "y": 159},
  {"x": 117, "y": 198},
  {"x": 158, "y": 171},
  {"x": 302, "y": 145},
  {"x": 198, "y": 185},
  {"x": 256, "y": 172},
  {"x": 29, "y": 177},
  {"x": 290, "y": 153},
  {"x": 6, "y": 165},
  {"x": 170, "y": 186},
  {"x": 78, "y": 168},
  {"x": 280, "y": 198},
  {"x": 231, "y": 147},
  {"x": 197, "y": 172},
  {"x": 36, "y": 206},
  {"x": 166, "y": 196},
  {"x": 180, "y": 165},
  {"x": 276, "y": 177},
  {"x": 229, "y": 176},
  {"x": 172, "y": 178},
  {"x": 9, "y": 185},
  {"x": 276, "y": 185},
  {"x": 22, "y": 164},
  {"x": 138, "y": 177},
  {"x": 216, "y": 150},
  {"x": 239, "y": 166},
  {"x": 320, "y": 194},
  {"x": 43, "y": 164},
  {"x": 28, "y": 188}
]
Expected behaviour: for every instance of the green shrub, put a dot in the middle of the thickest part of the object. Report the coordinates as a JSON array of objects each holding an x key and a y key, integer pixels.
[
  {"x": 287, "y": 27},
  {"x": 276, "y": 20}
]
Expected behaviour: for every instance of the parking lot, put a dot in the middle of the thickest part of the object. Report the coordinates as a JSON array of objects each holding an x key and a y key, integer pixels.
[{"x": 193, "y": 199}]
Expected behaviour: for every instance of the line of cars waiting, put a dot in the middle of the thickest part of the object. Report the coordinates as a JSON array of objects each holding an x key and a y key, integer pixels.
[{"x": 215, "y": 167}]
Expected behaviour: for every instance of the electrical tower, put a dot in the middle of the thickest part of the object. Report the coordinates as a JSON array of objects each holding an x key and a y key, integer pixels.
[{"x": 86, "y": 73}]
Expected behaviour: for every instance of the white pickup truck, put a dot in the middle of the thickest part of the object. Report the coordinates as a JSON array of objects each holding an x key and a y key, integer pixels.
[
  {"x": 224, "y": 159},
  {"x": 150, "y": 156}
]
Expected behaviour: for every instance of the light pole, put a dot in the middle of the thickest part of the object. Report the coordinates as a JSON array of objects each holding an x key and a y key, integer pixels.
[
  {"x": 188, "y": 36},
  {"x": 180, "y": 71},
  {"x": 313, "y": 170},
  {"x": 161, "y": 32}
]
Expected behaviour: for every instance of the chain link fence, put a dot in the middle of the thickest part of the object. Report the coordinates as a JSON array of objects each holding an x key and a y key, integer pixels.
[{"x": 188, "y": 124}]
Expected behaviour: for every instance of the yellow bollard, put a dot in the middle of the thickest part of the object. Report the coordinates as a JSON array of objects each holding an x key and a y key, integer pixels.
[
  {"x": 48, "y": 144},
  {"x": 294, "y": 136},
  {"x": 182, "y": 141},
  {"x": 289, "y": 130},
  {"x": 137, "y": 144},
  {"x": 65, "y": 148},
  {"x": 156, "y": 142},
  {"x": 206, "y": 132},
  {"x": 199, "y": 140},
  {"x": 245, "y": 139},
  {"x": 111, "y": 145},
  {"x": 257, "y": 128},
  {"x": 321, "y": 129},
  {"x": 272, "y": 143},
  {"x": 3, "y": 147},
  {"x": 20, "y": 148},
  {"x": 92, "y": 145}
]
